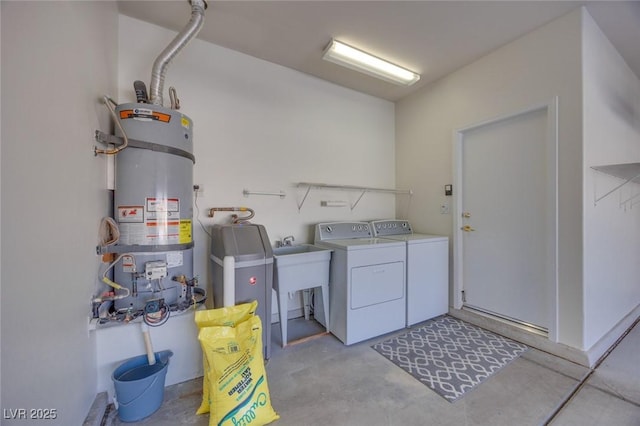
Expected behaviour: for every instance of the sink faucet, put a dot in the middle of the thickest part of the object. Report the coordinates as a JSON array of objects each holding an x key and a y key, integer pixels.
[{"x": 288, "y": 240}]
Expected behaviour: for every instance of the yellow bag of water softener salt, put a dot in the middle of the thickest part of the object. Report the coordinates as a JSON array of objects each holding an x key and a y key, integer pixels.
[
  {"x": 239, "y": 393},
  {"x": 230, "y": 317}
]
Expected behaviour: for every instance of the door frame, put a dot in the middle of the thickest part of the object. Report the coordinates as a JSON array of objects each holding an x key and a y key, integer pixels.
[{"x": 551, "y": 108}]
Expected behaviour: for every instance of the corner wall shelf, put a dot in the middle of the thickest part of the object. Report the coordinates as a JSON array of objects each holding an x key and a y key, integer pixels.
[
  {"x": 628, "y": 172},
  {"x": 361, "y": 189}
]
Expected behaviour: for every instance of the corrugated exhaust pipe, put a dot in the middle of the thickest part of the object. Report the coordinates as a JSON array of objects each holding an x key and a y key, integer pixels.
[{"x": 171, "y": 51}]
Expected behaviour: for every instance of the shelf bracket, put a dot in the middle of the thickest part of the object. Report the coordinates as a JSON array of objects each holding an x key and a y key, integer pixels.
[
  {"x": 628, "y": 172},
  {"x": 358, "y": 200},
  {"x": 304, "y": 198},
  {"x": 616, "y": 188}
]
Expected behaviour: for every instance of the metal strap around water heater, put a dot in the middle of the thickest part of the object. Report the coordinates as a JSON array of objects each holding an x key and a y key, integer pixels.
[
  {"x": 135, "y": 143},
  {"x": 137, "y": 249}
]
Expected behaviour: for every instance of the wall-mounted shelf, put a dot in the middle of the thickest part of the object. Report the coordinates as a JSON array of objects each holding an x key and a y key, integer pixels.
[
  {"x": 628, "y": 172},
  {"x": 361, "y": 189}
]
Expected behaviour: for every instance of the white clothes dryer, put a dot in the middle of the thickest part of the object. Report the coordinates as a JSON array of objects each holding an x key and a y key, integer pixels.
[
  {"x": 427, "y": 269},
  {"x": 367, "y": 296}
]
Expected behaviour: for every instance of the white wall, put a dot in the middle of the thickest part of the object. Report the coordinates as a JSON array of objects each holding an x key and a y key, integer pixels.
[
  {"x": 529, "y": 71},
  {"x": 262, "y": 127},
  {"x": 611, "y": 231},
  {"x": 57, "y": 58}
]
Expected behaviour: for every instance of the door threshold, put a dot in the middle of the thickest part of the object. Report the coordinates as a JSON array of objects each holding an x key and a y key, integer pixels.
[{"x": 530, "y": 328}]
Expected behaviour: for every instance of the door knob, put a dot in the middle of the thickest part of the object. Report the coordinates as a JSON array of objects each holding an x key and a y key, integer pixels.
[
  {"x": 466, "y": 214},
  {"x": 467, "y": 228}
]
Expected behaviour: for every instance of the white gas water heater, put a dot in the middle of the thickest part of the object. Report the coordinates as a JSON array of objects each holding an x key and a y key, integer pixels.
[{"x": 151, "y": 239}]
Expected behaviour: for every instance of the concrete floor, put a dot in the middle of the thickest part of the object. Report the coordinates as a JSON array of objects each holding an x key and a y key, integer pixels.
[{"x": 322, "y": 382}]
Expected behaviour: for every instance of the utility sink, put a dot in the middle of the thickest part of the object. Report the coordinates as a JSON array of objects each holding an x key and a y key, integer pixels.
[
  {"x": 300, "y": 267},
  {"x": 306, "y": 250}
]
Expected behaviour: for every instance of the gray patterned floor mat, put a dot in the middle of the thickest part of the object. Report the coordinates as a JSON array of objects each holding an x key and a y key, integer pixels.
[{"x": 449, "y": 355}]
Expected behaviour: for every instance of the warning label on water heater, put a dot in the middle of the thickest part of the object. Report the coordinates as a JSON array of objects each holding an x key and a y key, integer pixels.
[
  {"x": 162, "y": 205},
  {"x": 130, "y": 214},
  {"x": 157, "y": 222},
  {"x": 185, "y": 231}
]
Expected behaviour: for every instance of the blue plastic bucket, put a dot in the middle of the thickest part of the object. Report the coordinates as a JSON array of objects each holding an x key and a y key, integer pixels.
[{"x": 140, "y": 386}]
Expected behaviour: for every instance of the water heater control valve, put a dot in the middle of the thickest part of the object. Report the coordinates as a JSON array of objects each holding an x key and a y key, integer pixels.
[{"x": 155, "y": 270}]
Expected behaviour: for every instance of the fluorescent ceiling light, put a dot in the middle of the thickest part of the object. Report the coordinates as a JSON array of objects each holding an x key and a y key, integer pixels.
[{"x": 350, "y": 57}]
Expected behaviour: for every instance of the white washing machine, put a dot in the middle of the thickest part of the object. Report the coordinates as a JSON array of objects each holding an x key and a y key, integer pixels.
[
  {"x": 367, "y": 296},
  {"x": 427, "y": 269}
]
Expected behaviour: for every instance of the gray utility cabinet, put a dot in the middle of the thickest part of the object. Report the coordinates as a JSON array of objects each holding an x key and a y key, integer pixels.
[{"x": 250, "y": 247}]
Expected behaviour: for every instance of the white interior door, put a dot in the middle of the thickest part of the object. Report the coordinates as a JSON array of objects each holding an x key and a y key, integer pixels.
[{"x": 506, "y": 224}]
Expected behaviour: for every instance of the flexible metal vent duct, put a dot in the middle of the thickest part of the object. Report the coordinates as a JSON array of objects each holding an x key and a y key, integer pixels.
[
  {"x": 153, "y": 198},
  {"x": 171, "y": 51}
]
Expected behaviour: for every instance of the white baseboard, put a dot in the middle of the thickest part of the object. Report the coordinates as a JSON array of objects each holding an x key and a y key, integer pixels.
[{"x": 595, "y": 352}]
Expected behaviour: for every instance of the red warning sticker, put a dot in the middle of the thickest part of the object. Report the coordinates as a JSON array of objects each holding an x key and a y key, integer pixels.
[{"x": 131, "y": 214}]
